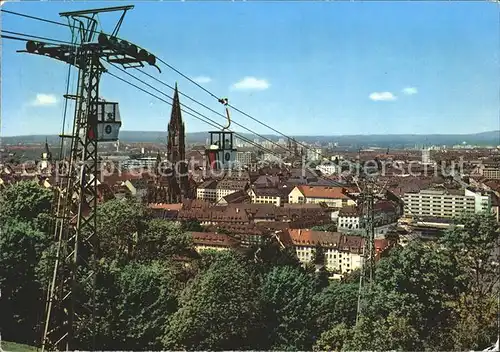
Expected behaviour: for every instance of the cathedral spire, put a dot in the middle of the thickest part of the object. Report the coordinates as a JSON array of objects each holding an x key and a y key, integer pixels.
[{"x": 176, "y": 117}]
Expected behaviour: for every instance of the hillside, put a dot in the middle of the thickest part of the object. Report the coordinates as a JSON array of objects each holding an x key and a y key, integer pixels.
[{"x": 484, "y": 138}]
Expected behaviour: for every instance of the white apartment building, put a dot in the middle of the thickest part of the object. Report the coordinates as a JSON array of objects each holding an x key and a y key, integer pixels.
[
  {"x": 266, "y": 195},
  {"x": 332, "y": 196},
  {"x": 243, "y": 158},
  {"x": 328, "y": 169},
  {"x": 342, "y": 253},
  {"x": 385, "y": 218},
  {"x": 207, "y": 191},
  {"x": 445, "y": 203},
  {"x": 314, "y": 154},
  {"x": 214, "y": 191}
]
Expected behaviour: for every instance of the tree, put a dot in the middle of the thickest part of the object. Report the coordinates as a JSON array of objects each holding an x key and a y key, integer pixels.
[
  {"x": 119, "y": 223},
  {"x": 219, "y": 310},
  {"x": 26, "y": 201},
  {"x": 333, "y": 339},
  {"x": 24, "y": 234},
  {"x": 421, "y": 283},
  {"x": 135, "y": 302},
  {"x": 391, "y": 333},
  {"x": 473, "y": 246},
  {"x": 161, "y": 239},
  {"x": 21, "y": 245},
  {"x": 192, "y": 225},
  {"x": 287, "y": 297},
  {"x": 336, "y": 304}
]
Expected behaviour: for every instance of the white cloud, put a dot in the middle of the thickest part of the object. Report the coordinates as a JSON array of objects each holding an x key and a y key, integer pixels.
[
  {"x": 251, "y": 83},
  {"x": 202, "y": 79},
  {"x": 44, "y": 100},
  {"x": 410, "y": 90},
  {"x": 382, "y": 96}
]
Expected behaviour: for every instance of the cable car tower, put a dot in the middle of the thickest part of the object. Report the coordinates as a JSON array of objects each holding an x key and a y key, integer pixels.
[
  {"x": 71, "y": 291},
  {"x": 221, "y": 153}
]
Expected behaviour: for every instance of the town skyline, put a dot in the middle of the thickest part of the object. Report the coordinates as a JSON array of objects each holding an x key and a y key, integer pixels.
[{"x": 385, "y": 68}]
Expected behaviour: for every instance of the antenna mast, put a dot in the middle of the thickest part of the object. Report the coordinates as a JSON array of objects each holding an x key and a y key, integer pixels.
[{"x": 71, "y": 291}]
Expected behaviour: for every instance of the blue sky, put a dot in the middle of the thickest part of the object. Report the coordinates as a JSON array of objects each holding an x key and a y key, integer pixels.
[{"x": 324, "y": 68}]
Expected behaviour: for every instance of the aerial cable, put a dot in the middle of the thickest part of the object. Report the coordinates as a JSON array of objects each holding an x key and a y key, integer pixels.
[
  {"x": 35, "y": 18},
  {"x": 194, "y": 100},
  {"x": 187, "y": 78},
  {"x": 223, "y": 101},
  {"x": 36, "y": 37},
  {"x": 203, "y": 118}
]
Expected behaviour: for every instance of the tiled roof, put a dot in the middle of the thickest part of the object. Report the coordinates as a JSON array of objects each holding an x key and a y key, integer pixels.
[
  {"x": 166, "y": 206},
  {"x": 214, "y": 239},
  {"x": 232, "y": 184},
  {"x": 208, "y": 184},
  {"x": 270, "y": 192},
  {"x": 323, "y": 192},
  {"x": 302, "y": 237},
  {"x": 237, "y": 197}
]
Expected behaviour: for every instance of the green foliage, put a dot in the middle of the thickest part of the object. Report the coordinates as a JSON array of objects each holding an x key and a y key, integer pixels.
[
  {"x": 269, "y": 255},
  {"x": 192, "y": 226},
  {"x": 26, "y": 201},
  {"x": 336, "y": 304},
  {"x": 162, "y": 239},
  {"x": 135, "y": 302},
  {"x": 218, "y": 311},
  {"x": 334, "y": 338},
  {"x": 119, "y": 223},
  {"x": 24, "y": 219},
  {"x": 287, "y": 296},
  {"x": 420, "y": 282},
  {"x": 434, "y": 296}
]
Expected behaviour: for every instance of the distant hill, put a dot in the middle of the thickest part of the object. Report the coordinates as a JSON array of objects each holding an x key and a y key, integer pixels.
[{"x": 375, "y": 140}]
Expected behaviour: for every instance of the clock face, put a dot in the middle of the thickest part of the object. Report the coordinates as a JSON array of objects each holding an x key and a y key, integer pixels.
[
  {"x": 227, "y": 156},
  {"x": 107, "y": 129}
]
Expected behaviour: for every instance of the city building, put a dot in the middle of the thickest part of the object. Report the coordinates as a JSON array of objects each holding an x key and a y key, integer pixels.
[
  {"x": 385, "y": 218},
  {"x": 328, "y": 169},
  {"x": 244, "y": 158},
  {"x": 206, "y": 191},
  {"x": 491, "y": 172},
  {"x": 332, "y": 196},
  {"x": 314, "y": 154},
  {"x": 342, "y": 253},
  {"x": 176, "y": 151},
  {"x": 203, "y": 241},
  {"x": 268, "y": 195},
  {"x": 445, "y": 203}
]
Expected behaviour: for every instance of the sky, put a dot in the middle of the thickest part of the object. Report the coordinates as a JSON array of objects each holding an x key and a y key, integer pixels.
[{"x": 303, "y": 68}]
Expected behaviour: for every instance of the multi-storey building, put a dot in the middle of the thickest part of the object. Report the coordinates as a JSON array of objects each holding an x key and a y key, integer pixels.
[
  {"x": 214, "y": 191},
  {"x": 342, "y": 253},
  {"x": 385, "y": 217},
  {"x": 491, "y": 172},
  {"x": 207, "y": 191},
  {"x": 244, "y": 158},
  {"x": 445, "y": 202},
  {"x": 268, "y": 195},
  {"x": 332, "y": 196}
]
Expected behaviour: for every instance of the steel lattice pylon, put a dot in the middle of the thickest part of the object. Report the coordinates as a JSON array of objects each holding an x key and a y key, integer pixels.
[
  {"x": 71, "y": 290},
  {"x": 76, "y": 222}
]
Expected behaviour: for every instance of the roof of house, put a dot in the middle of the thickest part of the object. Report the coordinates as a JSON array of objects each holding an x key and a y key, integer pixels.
[
  {"x": 323, "y": 192},
  {"x": 213, "y": 239},
  {"x": 166, "y": 206},
  {"x": 208, "y": 184},
  {"x": 237, "y": 197},
  {"x": 270, "y": 192},
  {"x": 232, "y": 184},
  {"x": 303, "y": 237}
]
